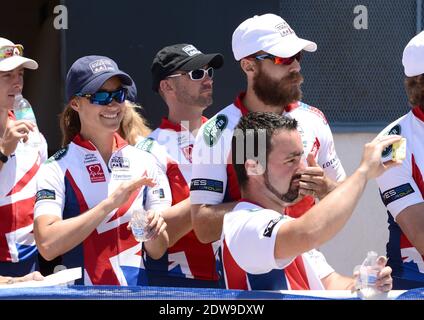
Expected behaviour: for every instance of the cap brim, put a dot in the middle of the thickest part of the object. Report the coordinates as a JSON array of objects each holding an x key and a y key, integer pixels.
[
  {"x": 95, "y": 84},
  {"x": 14, "y": 62},
  {"x": 214, "y": 60},
  {"x": 285, "y": 51}
]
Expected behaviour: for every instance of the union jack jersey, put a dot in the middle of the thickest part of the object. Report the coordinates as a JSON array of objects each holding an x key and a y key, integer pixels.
[
  {"x": 188, "y": 259},
  {"x": 247, "y": 254},
  {"x": 77, "y": 179},
  {"x": 401, "y": 187},
  {"x": 18, "y": 252}
]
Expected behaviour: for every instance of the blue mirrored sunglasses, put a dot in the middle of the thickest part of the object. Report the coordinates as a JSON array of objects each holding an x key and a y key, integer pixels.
[{"x": 104, "y": 98}]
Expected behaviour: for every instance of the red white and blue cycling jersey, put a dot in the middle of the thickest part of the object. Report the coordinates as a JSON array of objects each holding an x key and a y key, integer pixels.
[
  {"x": 18, "y": 252},
  {"x": 188, "y": 259},
  {"x": 401, "y": 187},
  {"x": 77, "y": 179},
  {"x": 213, "y": 178},
  {"x": 247, "y": 253}
]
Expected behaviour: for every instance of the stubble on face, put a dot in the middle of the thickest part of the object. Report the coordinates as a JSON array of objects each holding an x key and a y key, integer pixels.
[{"x": 202, "y": 96}]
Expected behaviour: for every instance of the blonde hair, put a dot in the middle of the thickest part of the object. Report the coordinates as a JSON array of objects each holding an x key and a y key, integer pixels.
[
  {"x": 133, "y": 125},
  {"x": 70, "y": 124}
]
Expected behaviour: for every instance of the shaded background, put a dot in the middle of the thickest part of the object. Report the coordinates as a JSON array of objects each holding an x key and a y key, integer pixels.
[{"x": 355, "y": 77}]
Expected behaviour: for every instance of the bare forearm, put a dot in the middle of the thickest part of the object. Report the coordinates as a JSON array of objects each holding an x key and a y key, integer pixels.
[
  {"x": 322, "y": 221},
  {"x": 157, "y": 247},
  {"x": 208, "y": 219},
  {"x": 178, "y": 220},
  {"x": 61, "y": 236},
  {"x": 331, "y": 214},
  {"x": 335, "y": 281}
]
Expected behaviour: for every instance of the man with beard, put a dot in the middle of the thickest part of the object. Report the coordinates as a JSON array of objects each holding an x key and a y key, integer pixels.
[
  {"x": 402, "y": 188},
  {"x": 269, "y": 53},
  {"x": 183, "y": 77},
  {"x": 263, "y": 249}
]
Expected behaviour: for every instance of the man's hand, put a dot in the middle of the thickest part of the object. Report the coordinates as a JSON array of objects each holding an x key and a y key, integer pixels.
[
  {"x": 155, "y": 224},
  {"x": 384, "y": 281},
  {"x": 15, "y": 131},
  {"x": 371, "y": 163},
  {"x": 313, "y": 180}
]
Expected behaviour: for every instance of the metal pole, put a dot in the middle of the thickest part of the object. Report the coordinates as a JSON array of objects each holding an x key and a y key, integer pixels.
[{"x": 419, "y": 15}]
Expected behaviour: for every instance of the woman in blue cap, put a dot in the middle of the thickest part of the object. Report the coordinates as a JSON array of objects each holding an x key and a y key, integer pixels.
[{"x": 87, "y": 192}]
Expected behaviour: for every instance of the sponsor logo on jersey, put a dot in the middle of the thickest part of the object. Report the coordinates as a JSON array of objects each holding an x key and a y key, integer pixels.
[
  {"x": 45, "y": 194},
  {"x": 58, "y": 155},
  {"x": 121, "y": 176},
  {"x": 145, "y": 145},
  {"x": 270, "y": 227},
  {"x": 120, "y": 163},
  {"x": 207, "y": 185},
  {"x": 396, "y": 193},
  {"x": 96, "y": 173},
  {"x": 395, "y": 130},
  {"x": 329, "y": 163},
  {"x": 159, "y": 192},
  {"x": 214, "y": 129},
  {"x": 90, "y": 157}
]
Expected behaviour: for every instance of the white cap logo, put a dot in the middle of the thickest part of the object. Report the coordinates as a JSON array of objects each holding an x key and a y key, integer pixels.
[
  {"x": 101, "y": 65},
  {"x": 284, "y": 29},
  {"x": 191, "y": 50}
]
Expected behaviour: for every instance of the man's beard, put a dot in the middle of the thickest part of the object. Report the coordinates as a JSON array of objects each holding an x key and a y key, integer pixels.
[
  {"x": 277, "y": 92},
  {"x": 290, "y": 196}
]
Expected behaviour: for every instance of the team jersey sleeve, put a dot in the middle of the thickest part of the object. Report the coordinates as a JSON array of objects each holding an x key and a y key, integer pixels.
[
  {"x": 250, "y": 237},
  {"x": 318, "y": 263},
  {"x": 327, "y": 155},
  {"x": 50, "y": 196},
  {"x": 158, "y": 197},
  {"x": 209, "y": 163},
  {"x": 398, "y": 189}
]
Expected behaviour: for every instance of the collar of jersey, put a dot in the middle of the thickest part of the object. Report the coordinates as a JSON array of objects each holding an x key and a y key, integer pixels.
[
  {"x": 78, "y": 140},
  {"x": 418, "y": 112},
  {"x": 239, "y": 104},
  {"x": 167, "y": 124}
]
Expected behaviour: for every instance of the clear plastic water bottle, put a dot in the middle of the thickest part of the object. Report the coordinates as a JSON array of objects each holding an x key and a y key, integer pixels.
[
  {"x": 23, "y": 111},
  {"x": 139, "y": 225},
  {"x": 368, "y": 272}
]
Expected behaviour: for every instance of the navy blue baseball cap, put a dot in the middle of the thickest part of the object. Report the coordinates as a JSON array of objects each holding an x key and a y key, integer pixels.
[
  {"x": 87, "y": 75},
  {"x": 132, "y": 92}
]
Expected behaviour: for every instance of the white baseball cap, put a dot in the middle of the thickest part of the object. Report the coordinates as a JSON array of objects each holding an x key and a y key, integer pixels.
[
  {"x": 413, "y": 56},
  {"x": 11, "y": 56},
  {"x": 269, "y": 33}
]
